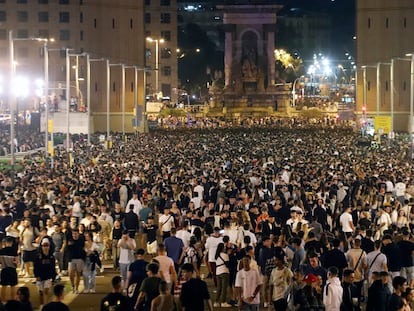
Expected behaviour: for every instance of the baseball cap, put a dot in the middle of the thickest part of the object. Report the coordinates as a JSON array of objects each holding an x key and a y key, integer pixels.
[{"x": 310, "y": 278}]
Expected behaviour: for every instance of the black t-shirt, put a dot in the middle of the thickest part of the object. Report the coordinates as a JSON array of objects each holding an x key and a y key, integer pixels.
[
  {"x": 406, "y": 249},
  {"x": 55, "y": 306},
  {"x": 193, "y": 294},
  {"x": 395, "y": 303},
  {"x": 151, "y": 231},
  {"x": 114, "y": 302},
  {"x": 76, "y": 248},
  {"x": 138, "y": 273},
  {"x": 392, "y": 251}
]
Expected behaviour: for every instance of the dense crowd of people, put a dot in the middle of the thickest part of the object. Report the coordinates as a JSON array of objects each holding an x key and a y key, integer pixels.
[{"x": 285, "y": 218}]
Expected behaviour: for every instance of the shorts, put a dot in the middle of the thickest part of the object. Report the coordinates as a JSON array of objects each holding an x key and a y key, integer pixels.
[
  {"x": 8, "y": 277},
  {"x": 29, "y": 256},
  {"x": 42, "y": 285},
  {"x": 76, "y": 265},
  {"x": 152, "y": 247},
  {"x": 407, "y": 272}
]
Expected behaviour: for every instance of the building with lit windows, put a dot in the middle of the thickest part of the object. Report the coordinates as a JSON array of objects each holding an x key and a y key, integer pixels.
[
  {"x": 384, "y": 36},
  {"x": 104, "y": 29}
]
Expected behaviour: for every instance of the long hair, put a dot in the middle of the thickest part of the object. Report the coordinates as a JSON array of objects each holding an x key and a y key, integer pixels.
[{"x": 220, "y": 249}]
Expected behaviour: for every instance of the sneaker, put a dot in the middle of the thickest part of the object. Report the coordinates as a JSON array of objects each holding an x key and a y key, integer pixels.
[
  {"x": 265, "y": 305},
  {"x": 233, "y": 302},
  {"x": 76, "y": 291},
  {"x": 226, "y": 305},
  {"x": 216, "y": 305},
  {"x": 85, "y": 291},
  {"x": 92, "y": 291}
]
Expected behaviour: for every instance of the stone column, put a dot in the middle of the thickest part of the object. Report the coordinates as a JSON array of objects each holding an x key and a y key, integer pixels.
[
  {"x": 271, "y": 58},
  {"x": 269, "y": 30},
  {"x": 228, "y": 56}
]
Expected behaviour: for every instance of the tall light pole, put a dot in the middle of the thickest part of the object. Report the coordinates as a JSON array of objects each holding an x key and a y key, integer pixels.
[
  {"x": 12, "y": 102},
  {"x": 411, "y": 121},
  {"x": 379, "y": 85},
  {"x": 108, "y": 103},
  {"x": 123, "y": 99},
  {"x": 364, "y": 106},
  {"x": 68, "y": 55},
  {"x": 157, "y": 60},
  {"x": 46, "y": 92},
  {"x": 88, "y": 91},
  {"x": 12, "y": 96},
  {"x": 135, "y": 94},
  {"x": 392, "y": 89}
]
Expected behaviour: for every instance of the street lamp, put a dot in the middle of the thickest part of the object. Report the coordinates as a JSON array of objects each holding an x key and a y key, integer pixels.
[
  {"x": 68, "y": 55},
  {"x": 88, "y": 91},
  {"x": 108, "y": 104},
  {"x": 392, "y": 89},
  {"x": 379, "y": 84},
  {"x": 157, "y": 60},
  {"x": 12, "y": 96},
  {"x": 411, "y": 123}
]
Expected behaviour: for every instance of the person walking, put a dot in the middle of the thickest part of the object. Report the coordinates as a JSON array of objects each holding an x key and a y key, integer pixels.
[
  {"x": 280, "y": 281},
  {"x": 167, "y": 269},
  {"x": 76, "y": 256},
  {"x": 131, "y": 222},
  {"x": 136, "y": 275},
  {"x": 248, "y": 284},
  {"x": 164, "y": 301},
  {"x": 115, "y": 301},
  {"x": 44, "y": 271},
  {"x": 8, "y": 277},
  {"x": 194, "y": 292},
  {"x": 222, "y": 274},
  {"x": 57, "y": 303},
  {"x": 333, "y": 291},
  {"x": 126, "y": 246},
  {"x": 149, "y": 288},
  {"x": 174, "y": 247}
]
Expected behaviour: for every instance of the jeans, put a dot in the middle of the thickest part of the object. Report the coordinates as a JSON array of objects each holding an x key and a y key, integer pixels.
[
  {"x": 89, "y": 278},
  {"x": 222, "y": 285},
  {"x": 59, "y": 259},
  {"x": 115, "y": 253},
  {"x": 123, "y": 267}
]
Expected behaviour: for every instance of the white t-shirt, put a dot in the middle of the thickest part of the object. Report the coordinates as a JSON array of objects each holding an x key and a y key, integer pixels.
[
  {"x": 376, "y": 265},
  {"x": 137, "y": 205},
  {"x": 221, "y": 267},
  {"x": 166, "y": 222},
  {"x": 345, "y": 220},
  {"x": 125, "y": 254},
  {"x": 248, "y": 281},
  {"x": 280, "y": 279},
  {"x": 400, "y": 188},
  {"x": 185, "y": 236},
  {"x": 199, "y": 189},
  {"x": 211, "y": 246}
]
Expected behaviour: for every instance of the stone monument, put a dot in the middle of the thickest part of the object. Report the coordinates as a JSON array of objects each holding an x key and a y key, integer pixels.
[{"x": 249, "y": 63}]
